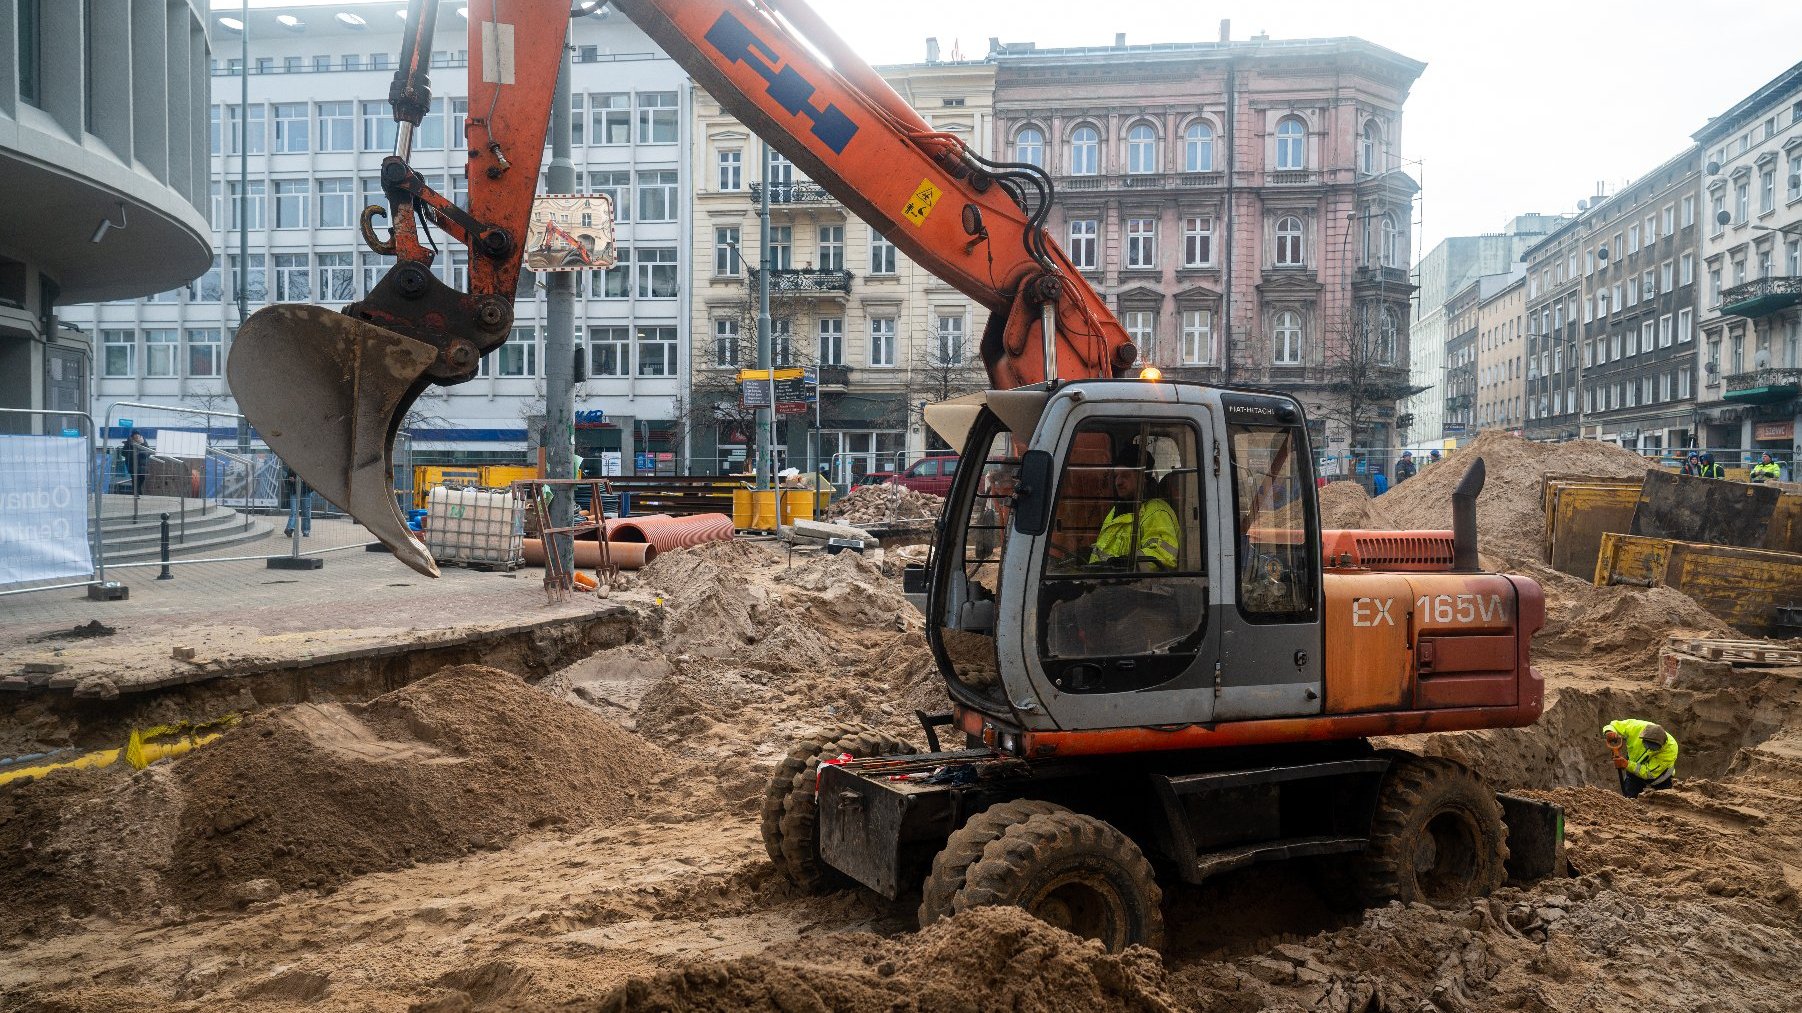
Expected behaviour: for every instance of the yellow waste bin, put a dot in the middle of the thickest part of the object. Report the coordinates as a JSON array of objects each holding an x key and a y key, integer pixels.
[{"x": 755, "y": 509}]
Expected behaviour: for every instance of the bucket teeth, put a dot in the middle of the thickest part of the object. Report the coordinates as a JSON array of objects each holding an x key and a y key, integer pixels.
[{"x": 327, "y": 392}]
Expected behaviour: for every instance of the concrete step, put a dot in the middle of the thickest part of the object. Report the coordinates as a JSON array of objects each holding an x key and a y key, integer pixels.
[
  {"x": 208, "y": 542},
  {"x": 219, "y": 522}
]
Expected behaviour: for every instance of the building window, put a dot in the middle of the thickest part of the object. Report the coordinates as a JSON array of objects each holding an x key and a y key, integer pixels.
[
  {"x": 1198, "y": 241},
  {"x": 1689, "y": 268},
  {"x": 518, "y": 356},
  {"x": 609, "y": 351},
  {"x": 161, "y": 346},
  {"x": 657, "y": 196},
  {"x": 430, "y": 135},
  {"x": 832, "y": 247},
  {"x": 337, "y": 277},
  {"x": 882, "y": 341},
  {"x": 119, "y": 353},
  {"x": 290, "y": 127},
  {"x": 1767, "y": 190},
  {"x": 255, "y": 134},
  {"x": 1742, "y": 203},
  {"x": 292, "y": 277},
  {"x": 832, "y": 341},
  {"x": 617, "y": 185},
  {"x": 1664, "y": 331},
  {"x": 1370, "y": 148},
  {"x": 1141, "y": 242},
  {"x": 379, "y": 127},
  {"x": 1288, "y": 241},
  {"x": 1083, "y": 243},
  {"x": 1141, "y": 149},
  {"x": 206, "y": 356},
  {"x": 1390, "y": 254},
  {"x": 1085, "y": 151},
  {"x": 1198, "y": 337},
  {"x": 1389, "y": 335},
  {"x": 778, "y": 171},
  {"x": 732, "y": 170},
  {"x": 611, "y": 119},
  {"x": 656, "y": 273},
  {"x": 1684, "y": 318},
  {"x": 1633, "y": 239},
  {"x": 374, "y": 267},
  {"x": 1141, "y": 327},
  {"x": 1198, "y": 147},
  {"x": 782, "y": 247},
  {"x": 31, "y": 61},
  {"x": 1029, "y": 146},
  {"x": 246, "y": 213},
  {"x": 1667, "y": 276},
  {"x": 656, "y": 117},
  {"x": 1689, "y": 211},
  {"x": 882, "y": 254},
  {"x": 335, "y": 196},
  {"x": 1795, "y": 176},
  {"x": 725, "y": 342},
  {"x": 780, "y": 343},
  {"x": 950, "y": 348},
  {"x": 291, "y": 203},
  {"x": 1291, "y": 143},
  {"x": 1286, "y": 346},
  {"x": 725, "y": 251}
]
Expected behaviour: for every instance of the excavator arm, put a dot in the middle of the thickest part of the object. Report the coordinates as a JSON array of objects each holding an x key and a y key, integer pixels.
[{"x": 328, "y": 391}]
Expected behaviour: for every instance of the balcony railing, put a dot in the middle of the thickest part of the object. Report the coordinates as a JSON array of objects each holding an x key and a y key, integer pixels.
[
  {"x": 1142, "y": 181},
  {"x": 794, "y": 193},
  {"x": 1761, "y": 298},
  {"x": 1764, "y": 386},
  {"x": 1383, "y": 274},
  {"x": 835, "y": 376},
  {"x": 1289, "y": 177},
  {"x": 806, "y": 280}
]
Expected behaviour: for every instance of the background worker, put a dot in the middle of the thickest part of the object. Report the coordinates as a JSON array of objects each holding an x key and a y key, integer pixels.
[
  {"x": 1708, "y": 469},
  {"x": 1404, "y": 468},
  {"x": 1644, "y": 754},
  {"x": 1766, "y": 470}
]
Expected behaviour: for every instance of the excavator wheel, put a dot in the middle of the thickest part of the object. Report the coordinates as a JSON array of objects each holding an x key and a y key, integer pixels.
[
  {"x": 1075, "y": 872},
  {"x": 798, "y": 829},
  {"x": 783, "y": 779},
  {"x": 966, "y": 846},
  {"x": 1437, "y": 836}
]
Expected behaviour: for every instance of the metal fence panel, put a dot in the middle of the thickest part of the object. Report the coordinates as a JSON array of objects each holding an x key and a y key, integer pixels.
[{"x": 49, "y": 504}]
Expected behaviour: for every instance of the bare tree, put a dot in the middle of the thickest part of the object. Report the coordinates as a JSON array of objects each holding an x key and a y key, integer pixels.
[
  {"x": 1366, "y": 371},
  {"x": 934, "y": 376}
]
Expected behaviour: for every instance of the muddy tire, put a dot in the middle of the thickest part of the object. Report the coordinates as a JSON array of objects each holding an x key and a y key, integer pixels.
[
  {"x": 782, "y": 781},
  {"x": 965, "y": 847},
  {"x": 1075, "y": 872},
  {"x": 798, "y": 831},
  {"x": 1437, "y": 837}
]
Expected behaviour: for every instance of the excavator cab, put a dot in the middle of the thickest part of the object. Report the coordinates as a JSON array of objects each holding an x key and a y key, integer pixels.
[{"x": 1129, "y": 554}]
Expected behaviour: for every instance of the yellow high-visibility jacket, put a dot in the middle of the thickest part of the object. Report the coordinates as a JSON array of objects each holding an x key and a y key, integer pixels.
[
  {"x": 1159, "y": 535},
  {"x": 1766, "y": 472},
  {"x": 1643, "y": 763}
]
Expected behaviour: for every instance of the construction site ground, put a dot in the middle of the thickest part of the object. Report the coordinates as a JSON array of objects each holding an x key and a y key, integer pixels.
[{"x": 523, "y": 835}]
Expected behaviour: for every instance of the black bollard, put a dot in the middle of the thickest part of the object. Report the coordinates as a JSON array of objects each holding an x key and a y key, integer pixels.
[{"x": 166, "y": 574}]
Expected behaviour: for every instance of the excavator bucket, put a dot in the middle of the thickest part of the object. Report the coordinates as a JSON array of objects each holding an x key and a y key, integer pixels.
[{"x": 327, "y": 393}]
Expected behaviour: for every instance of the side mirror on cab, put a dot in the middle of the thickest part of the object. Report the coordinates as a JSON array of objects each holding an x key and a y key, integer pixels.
[{"x": 1032, "y": 496}]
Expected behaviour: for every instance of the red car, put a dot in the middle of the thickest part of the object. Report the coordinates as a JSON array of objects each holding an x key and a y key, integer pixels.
[{"x": 932, "y": 474}]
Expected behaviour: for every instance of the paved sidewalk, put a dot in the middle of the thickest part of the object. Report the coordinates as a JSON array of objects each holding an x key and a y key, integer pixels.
[{"x": 244, "y": 614}]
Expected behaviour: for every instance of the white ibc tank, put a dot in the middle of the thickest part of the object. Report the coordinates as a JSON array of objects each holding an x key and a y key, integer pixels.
[{"x": 473, "y": 526}]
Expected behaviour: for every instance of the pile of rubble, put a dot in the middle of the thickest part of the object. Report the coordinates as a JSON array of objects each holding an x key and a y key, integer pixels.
[{"x": 881, "y": 504}]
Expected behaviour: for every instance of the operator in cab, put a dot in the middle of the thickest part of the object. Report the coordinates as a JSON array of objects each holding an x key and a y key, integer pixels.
[
  {"x": 1139, "y": 506},
  {"x": 1644, "y": 753}
]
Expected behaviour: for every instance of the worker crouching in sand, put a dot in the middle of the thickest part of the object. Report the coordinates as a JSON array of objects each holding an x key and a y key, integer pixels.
[{"x": 1645, "y": 755}]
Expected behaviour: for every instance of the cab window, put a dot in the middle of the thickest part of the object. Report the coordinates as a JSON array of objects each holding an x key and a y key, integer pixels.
[
  {"x": 1275, "y": 525},
  {"x": 1123, "y": 594}
]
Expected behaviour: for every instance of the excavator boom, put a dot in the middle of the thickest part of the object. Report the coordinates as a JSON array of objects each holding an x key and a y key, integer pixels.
[{"x": 328, "y": 391}]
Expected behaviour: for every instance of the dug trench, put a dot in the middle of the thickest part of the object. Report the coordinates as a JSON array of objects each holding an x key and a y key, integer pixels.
[{"x": 467, "y": 840}]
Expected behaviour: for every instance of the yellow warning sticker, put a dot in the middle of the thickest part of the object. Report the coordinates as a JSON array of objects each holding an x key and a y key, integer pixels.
[{"x": 921, "y": 203}]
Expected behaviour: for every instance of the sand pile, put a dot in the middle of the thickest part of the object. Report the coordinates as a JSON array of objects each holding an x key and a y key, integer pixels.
[
  {"x": 1345, "y": 505},
  {"x": 1615, "y": 631},
  {"x": 991, "y": 958},
  {"x": 876, "y": 504},
  {"x": 307, "y": 796},
  {"x": 1510, "y": 518}
]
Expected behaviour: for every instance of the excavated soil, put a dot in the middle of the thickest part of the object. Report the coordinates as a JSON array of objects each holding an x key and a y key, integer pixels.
[
  {"x": 475, "y": 842},
  {"x": 1346, "y": 505}
]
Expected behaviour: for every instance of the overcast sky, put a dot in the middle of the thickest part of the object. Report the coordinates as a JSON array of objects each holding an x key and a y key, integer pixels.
[{"x": 1524, "y": 104}]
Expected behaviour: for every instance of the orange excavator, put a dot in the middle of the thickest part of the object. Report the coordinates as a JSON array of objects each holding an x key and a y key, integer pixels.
[{"x": 1159, "y": 666}]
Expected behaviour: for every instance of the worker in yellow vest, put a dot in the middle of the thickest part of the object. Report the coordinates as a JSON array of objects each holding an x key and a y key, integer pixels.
[
  {"x": 1159, "y": 533},
  {"x": 1645, "y": 755},
  {"x": 1766, "y": 470}
]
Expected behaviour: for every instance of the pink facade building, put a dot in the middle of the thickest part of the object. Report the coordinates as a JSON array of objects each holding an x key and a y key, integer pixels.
[{"x": 1241, "y": 205}]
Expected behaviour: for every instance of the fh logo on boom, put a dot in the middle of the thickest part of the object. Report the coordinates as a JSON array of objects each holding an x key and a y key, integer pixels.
[{"x": 1442, "y": 609}]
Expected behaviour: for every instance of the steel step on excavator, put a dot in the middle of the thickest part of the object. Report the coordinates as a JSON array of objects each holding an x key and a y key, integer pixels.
[{"x": 1159, "y": 666}]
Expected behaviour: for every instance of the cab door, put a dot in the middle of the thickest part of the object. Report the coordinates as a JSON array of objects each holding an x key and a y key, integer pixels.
[
  {"x": 1269, "y": 610},
  {"x": 1115, "y": 628}
]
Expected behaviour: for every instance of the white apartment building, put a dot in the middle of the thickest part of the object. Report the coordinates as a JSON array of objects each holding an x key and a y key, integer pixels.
[
  {"x": 1750, "y": 383},
  {"x": 885, "y": 334},
  {"x": 318, "y": 127}
]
